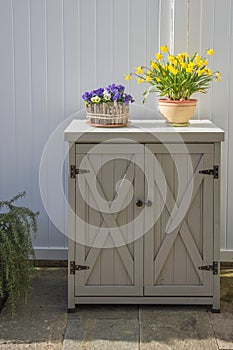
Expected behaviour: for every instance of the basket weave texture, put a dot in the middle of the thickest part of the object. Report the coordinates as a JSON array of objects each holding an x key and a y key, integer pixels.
[{"x": 111, "y": 113}]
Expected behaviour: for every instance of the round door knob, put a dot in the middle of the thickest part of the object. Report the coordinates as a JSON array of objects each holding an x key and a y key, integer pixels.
[
  {"x": 139, "y": 203},
  {"x": 148, "y": 203}
]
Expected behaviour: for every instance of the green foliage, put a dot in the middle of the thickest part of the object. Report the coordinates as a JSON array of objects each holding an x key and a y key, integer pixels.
[{"x": 16, "y": 224}]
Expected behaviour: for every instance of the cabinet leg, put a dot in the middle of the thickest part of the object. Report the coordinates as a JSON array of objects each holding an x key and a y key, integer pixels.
[{"x": 70, "y": 311}]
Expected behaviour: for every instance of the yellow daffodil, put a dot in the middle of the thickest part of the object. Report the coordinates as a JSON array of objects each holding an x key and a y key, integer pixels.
[
  {"x": 210, "y": 52},
  {"x": 128, "y": 77},
  {"x": 184, "y": 54},
  {"x": 176, "y": 76},
  {"x": 158, "y": 56},
  {"x": 200, "y": 63},
  {"x": 154, "y": 65},
  {"x": 172, "y": 70},
  {"x": 197, "y": 58},
  {"x": 139, "y": 70},
  {"x": 183, "y": 65},
  {"x": 218, "y": 79},
  {"x": 190, "y": 65},
  {"x": 207, "y": 71},
  {"x": 171, "y": 58},
  {"x": 189, "y": 69},
  {"x": 140, "y": 80},
  {"x": 164, "y": 48}
]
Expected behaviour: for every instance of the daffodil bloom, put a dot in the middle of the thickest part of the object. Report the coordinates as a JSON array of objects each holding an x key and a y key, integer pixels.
[
  {"x": 164, "y": 48},
  {"x": 189, "y": 69},
  {"x": 128, "y": 77},
  {"x": 201, "y": 63},
  {"x": 210, "y": 52},
  {"x": 158, "y": 56},
  {"x": 139, "y": 70},
  {"x": 190, "y": 65},
  {"x": 184, "y": 54},
  {"x": 172, "y": 70},
  {"x": 207, "y": 71},
  {"x": 183, "y": 65},
  {"x": 140, "y": 80},
  {"x": 171, "y": 58},
  {"x": 176, "y": 76},
  {"x": 218, "y": 79},
  {"x": 154, "y": 65},
  {"x": 197, "y": 58}
]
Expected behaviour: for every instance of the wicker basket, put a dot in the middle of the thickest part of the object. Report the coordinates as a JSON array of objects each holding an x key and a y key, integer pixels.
[{"x": 111, "y": 114}]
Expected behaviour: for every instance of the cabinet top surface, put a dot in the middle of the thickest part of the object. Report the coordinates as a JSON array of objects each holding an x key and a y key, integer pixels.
[{"x": 145, "y": 131}]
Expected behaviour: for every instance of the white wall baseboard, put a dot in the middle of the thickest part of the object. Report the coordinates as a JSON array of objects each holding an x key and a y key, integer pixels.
[
  {"x": 226, "y": 255},
  {"x": 51, "y": 253}
]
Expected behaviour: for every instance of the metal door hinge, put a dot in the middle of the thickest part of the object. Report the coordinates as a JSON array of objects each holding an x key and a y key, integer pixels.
[
  {"x": 76, "y": 171},
  {"x": 213, "y": 268},
  {"x": 74, "y": 267},
  {"x": 213, "y": 171}
]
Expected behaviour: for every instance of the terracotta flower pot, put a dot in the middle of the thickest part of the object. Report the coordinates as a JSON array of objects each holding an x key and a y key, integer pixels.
[{"x": 177, "y": 112}]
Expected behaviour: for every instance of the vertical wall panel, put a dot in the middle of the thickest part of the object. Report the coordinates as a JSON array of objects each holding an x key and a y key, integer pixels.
[
  {"x": 22, "y": 96},
  {"x": 55, "y": 76},
  {"x": 220, "y": 101},
  {"x": 88, "y": 45},
  {"x": 120, "y": 39},
  {"x": 39, "y": 111},
  {"x": 152, "y": 46},
  {"x": 229, "y": 203},
  {"x": 7, "y": 93},
  {"x": 137, "y": 50}
]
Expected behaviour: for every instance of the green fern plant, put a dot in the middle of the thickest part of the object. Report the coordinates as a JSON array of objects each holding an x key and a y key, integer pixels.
[{"x": 16, "y": 224}]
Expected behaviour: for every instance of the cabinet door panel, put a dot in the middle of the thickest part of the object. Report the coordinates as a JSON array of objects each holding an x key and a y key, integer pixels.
[
  {"x": 107, "y": 239},
  {"x": 182, "y": 238}
]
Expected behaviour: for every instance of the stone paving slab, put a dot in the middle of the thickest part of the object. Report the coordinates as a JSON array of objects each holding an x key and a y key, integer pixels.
[
  {"x": 222, "y": 325},
  {"x": 101, "y": 334},
  {"x": 175, "y": 328},
  {"x": 40, "y": 324}
]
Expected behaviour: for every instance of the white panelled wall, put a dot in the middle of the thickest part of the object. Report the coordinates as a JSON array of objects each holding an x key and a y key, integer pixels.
[{"x": 51, "y": 51}]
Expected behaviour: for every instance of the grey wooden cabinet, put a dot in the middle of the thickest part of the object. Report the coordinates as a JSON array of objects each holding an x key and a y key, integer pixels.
[{"x": 144, "y": 214}]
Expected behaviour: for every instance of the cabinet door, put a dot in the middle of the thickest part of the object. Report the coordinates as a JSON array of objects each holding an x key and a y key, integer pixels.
[
  {"x": 181, "y": 240},
  {"x": 108, "y": 238}
]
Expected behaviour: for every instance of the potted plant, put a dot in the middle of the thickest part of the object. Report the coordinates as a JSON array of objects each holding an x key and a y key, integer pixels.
[
  {"x": 16, "y": 224},
  {"x": 176, "y": 79},
  {"x": 108, "y": 106}
]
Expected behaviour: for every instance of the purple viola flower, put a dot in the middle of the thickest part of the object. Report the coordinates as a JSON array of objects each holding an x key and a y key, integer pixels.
[
  {"x": 110, "y": 93},
  {"x": 99, "y": 92},
  {"x": 86, "y": 96},
  {"x": 121, "y": 87},
  {"x": 116, "y": 97}
]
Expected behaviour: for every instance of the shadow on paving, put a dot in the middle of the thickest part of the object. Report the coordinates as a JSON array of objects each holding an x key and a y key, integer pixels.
[
  {"x": 153, "y": 327},
  {"x": 43, "y": 319}
]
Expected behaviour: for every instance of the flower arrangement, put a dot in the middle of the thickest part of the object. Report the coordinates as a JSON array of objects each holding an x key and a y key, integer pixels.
[
  {"x": 177, "y": 77},
  {"x": 108, "y": 106},
  {"x": 109, "y": 94}
]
